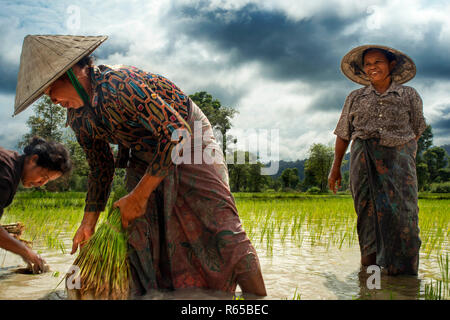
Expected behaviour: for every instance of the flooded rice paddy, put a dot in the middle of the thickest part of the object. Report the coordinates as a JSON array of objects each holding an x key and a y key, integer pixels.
[{"x": 307, "y": 246}]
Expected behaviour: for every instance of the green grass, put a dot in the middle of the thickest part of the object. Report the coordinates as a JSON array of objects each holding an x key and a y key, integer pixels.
[
  {"x": 295, "y": 218},
  {"x": 289, "y": 219},
  {"x": 329, "y": 220},
  {"x": 439, "y": 289}
]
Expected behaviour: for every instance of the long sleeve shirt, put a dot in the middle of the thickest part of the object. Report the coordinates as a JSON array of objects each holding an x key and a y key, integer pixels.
[
  {"x": 134, "y": 109},
  {"x": 11, "y": 167},
  {"x": 395, "y": 117}
]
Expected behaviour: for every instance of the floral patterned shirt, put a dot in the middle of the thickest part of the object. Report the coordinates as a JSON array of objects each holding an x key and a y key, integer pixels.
[
  {"x": 395, "y": 117},
  {"x": 134, "y": 109}
]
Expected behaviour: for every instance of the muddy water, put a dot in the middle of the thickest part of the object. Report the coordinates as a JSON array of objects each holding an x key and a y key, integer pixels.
[
  {"x": 308, "y": 272},
  {"x": 40, "y": 286}
]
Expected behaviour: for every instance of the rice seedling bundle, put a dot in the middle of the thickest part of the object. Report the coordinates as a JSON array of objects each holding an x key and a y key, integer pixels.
[{"x": 104, "y": 268}]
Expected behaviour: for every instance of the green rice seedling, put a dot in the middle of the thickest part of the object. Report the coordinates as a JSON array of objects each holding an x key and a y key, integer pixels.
[
  {"x": 297, "y": 295},
  {"x": 329, "y": 221},
  {"x": 104, "y": 267},
  {"x": 445, "y": 273},
  {"x": 439, "y": 289},
  {"x": 433, "y": 290}
]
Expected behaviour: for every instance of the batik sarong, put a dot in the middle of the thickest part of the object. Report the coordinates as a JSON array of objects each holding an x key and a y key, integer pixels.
[
  {"x": 191, "y": 234},
  {"x": 383, "y": 183}
]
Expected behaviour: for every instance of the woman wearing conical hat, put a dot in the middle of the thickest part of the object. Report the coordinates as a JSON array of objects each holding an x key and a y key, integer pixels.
[
  {"x": 384, "y": 119},
  {"x": 184, "y": 229}
]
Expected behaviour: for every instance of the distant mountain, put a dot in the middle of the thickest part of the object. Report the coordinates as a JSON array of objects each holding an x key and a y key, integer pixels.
[
  {"x": 300, "y": 165},
  {"x": 447, "y": 148},
  {"x": 282, "y": 165}
]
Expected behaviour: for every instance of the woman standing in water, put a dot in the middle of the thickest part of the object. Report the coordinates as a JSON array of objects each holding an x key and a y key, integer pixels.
[
  {"x": 384, "y": 119},
  {"x": 183, "y": 225}
]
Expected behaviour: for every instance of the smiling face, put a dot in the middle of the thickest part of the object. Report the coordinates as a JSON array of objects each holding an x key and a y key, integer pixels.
[
  {"x": 377, "y": 67},
  {"x": 36, "y": 176}
]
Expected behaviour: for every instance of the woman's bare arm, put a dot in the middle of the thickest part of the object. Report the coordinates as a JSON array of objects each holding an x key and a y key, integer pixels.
[{"x": 335, "y": 172}]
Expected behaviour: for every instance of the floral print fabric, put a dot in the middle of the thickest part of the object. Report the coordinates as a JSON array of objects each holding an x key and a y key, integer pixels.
[{"x": 395, "y": 117}]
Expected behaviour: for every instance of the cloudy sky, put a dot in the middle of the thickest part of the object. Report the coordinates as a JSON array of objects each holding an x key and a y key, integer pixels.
[{"x": 275, "y": 61}]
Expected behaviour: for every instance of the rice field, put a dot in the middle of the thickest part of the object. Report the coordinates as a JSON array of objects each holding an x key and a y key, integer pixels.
[{"x": 307, "y": 245}]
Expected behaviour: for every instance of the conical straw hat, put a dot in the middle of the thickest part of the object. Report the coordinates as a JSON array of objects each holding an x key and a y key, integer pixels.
[
  {"x": 44, "y": 59},
  {"x": 351, "y": 65}
]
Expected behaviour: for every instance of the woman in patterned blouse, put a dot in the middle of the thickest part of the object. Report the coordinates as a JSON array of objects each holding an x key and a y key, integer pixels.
[
  {"x": 384, "y": 119},
  {"x": 183, "y": 225}
]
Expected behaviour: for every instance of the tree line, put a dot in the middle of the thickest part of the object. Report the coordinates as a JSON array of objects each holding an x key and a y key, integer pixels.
[{"x": 309, "y": 175}]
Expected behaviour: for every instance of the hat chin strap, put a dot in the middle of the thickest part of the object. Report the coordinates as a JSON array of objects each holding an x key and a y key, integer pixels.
[{"x": 78, "y": 87}]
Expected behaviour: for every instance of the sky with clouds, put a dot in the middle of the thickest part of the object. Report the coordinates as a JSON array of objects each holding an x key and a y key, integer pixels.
[{"x": 275, "y": 61}]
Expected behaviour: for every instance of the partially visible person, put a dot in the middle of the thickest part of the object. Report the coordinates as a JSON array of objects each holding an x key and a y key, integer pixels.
[
  {"x": 384, "y": 119},
  {"x": 40, "y": 163}
]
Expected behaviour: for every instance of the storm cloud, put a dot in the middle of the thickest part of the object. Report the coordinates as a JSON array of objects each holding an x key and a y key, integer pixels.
[
  {"x": 276, "y": 62},
  {"x": 287, "y": 49}
]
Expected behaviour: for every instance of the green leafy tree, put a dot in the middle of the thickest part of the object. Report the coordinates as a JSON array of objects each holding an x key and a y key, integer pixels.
[
  {"x": 256, "y": 182},
  {"x": 436, "y": 159},
  {"x": 309, "y": 180},
  {"x": 239, "y": 172},
  {"x": 444, "y": 174},
  {"x": 80, "y": 170},
  {"x": 219, "y": 116},
  {"x": 47, "y": 122},
  {"x": 423, "y": 177},
  {"x": 289, "y": 178},
  {"x": 425, "y": 142},
  {"x": 275, "y": 184},
  {"x": 285, "y": 177},
  {"x": 246, "y": 176},
  {"x": 319, "y": 164},
  {"x": 294, "y": 179}
]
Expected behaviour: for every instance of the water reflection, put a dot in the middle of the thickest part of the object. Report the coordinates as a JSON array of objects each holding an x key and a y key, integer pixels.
[
  {"x": 314, "y": 272},
  {"x": 341, "y": 288},
  {"x": 402, "y": 287}
]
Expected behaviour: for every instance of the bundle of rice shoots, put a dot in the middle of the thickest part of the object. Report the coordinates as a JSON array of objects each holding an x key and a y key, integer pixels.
[{"x": 104, "y": 268}]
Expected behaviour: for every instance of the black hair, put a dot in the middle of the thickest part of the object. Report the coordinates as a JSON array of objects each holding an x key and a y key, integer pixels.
[
  {"x": 52, "y": 155},
  {"x": 389, "y": 55},
  {"x": 86, "y": 61}
]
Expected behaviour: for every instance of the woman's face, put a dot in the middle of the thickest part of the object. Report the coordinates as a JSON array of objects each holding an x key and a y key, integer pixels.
[
  {"x": 62, "y": 91},
  {"x": 377, "y": 66},
  {"x": 36, "y": 176}
]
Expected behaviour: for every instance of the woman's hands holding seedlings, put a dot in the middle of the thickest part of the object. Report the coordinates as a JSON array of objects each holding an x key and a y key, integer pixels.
[
  {"x": 131, "y": 206},
  {"x": 85, "y": 231}
]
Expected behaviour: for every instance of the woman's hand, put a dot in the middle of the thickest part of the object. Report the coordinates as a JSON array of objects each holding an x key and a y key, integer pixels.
[
  {"x": 134, "y": 204},
  {"x": 35, "y": 262},
  {"x": 131, "y": 206},
  {"x": 333, "y": 178},
  {"x": 335, "y": 173},
  {"x": 84, "y": 233}
]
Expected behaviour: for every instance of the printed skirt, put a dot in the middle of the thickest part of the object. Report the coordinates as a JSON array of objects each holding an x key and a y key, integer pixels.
[
  {"x": 383, "y": 183},
  {"x": 191, "y": 234}
]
